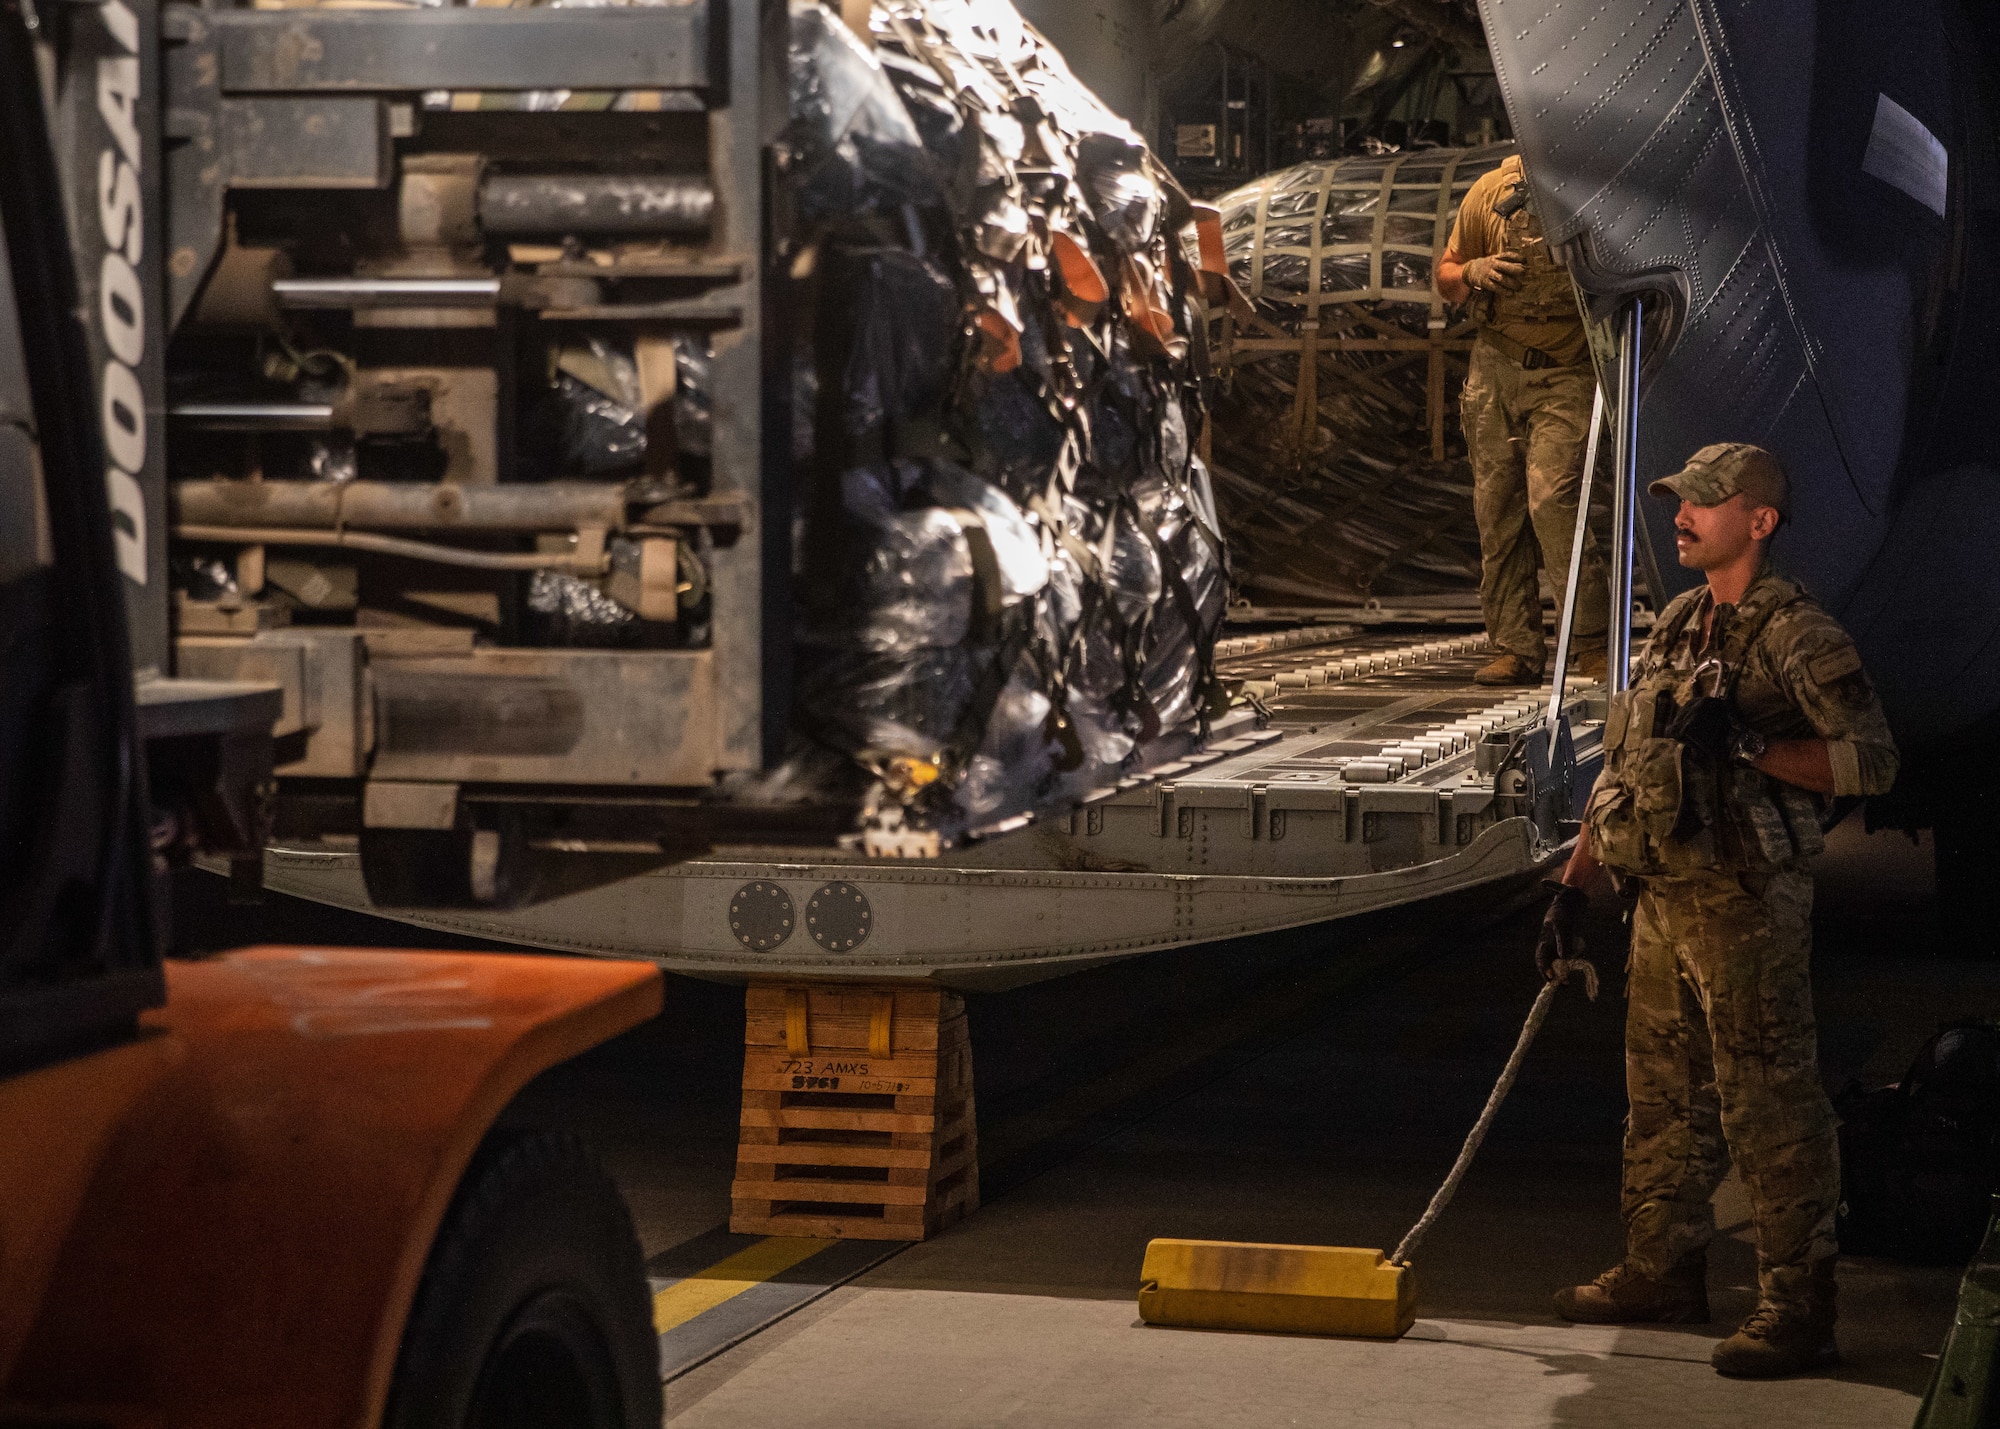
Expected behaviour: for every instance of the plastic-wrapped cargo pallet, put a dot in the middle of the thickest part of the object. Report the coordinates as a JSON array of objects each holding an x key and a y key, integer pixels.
[
  {"x": 1008, "y": 576},
  {"x": 1345, "y": 477},
  {"x": 1009, "y": 573}
]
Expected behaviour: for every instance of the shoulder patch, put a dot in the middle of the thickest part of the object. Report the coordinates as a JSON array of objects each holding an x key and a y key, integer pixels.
[{"x": 1831, "y": 666}]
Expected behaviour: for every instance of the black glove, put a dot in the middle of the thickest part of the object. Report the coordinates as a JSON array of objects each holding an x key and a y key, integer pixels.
[
  {"x": 1706, "y": 727},
  {"x": 1562, "y": 931}
]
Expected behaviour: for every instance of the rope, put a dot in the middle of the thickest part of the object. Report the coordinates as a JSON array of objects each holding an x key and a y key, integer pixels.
[{"x": 1537, "y": 1015}]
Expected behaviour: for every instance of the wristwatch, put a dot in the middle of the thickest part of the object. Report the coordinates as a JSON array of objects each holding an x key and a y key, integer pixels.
[{"x": 1746, "y": 746}]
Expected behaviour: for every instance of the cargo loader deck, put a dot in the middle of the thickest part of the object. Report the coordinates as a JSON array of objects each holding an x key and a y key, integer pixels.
[{"x": 1375, "y": 774}]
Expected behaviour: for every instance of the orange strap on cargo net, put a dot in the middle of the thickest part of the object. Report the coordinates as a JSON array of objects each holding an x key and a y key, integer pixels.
[
  {"x": 1214, "y": 262},
  {"x": 1084, "y": 288},
  {"x": 1208, "y": 231}
]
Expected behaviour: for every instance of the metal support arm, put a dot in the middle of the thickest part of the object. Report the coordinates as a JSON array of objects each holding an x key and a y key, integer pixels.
[
  {"x": 1565, "y": 628},
  {"x": 1624, "y": 497}
]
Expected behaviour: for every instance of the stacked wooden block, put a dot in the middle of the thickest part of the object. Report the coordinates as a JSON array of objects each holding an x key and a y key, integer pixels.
[{"x": 857, "y": 1113}]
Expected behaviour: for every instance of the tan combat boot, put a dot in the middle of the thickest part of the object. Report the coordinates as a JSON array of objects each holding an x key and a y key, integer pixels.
[
  {"x": 1787, "y": 1337},
  {"x": 1591, "y": 665},
  {"x": 1623, "y": 1296},
  {"x": 1507, "y": 668}
]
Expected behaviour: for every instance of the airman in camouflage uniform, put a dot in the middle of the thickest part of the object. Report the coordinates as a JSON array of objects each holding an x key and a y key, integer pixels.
[
  {"x": 1748, "y": 710},
  {"x": 1526, "y": 410}
]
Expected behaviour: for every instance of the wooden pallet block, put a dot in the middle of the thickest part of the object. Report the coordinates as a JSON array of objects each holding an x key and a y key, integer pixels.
[
  {"x": 848, "y": 1018},
  {"x": 858, "y": 1118}
]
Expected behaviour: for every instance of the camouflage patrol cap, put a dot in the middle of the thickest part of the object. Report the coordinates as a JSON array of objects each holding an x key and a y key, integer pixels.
[{"x": 1716, "y": 473}]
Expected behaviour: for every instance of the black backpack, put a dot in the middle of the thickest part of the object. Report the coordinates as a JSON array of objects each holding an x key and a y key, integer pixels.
[{"x": 1920, "y": 1161}]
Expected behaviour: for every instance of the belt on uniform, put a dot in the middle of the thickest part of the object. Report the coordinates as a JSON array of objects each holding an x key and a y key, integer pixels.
[{"x": 1531, "y": 359}]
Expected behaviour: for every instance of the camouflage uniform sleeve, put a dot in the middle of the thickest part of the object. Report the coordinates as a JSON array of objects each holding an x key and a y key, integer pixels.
[
  {"x": 1821, "y": 670},
  {"x": 1471, "y": 231}
]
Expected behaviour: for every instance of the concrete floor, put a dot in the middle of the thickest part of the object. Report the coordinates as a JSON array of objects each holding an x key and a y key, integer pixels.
[
  {"x": 1311, "y": 1087},
  {"x": 1024, "y": 1315}
]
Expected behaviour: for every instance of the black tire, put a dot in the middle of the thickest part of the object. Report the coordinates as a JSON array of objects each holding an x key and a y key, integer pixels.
[{"x": 534, "y": 1309}]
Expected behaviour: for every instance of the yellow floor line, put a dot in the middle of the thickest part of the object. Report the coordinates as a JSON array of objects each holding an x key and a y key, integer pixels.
[{"x": 726, "y": 1279}]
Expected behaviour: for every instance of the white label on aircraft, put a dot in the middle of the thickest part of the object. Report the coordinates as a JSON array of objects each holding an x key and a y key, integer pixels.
[{"x": 1906, "y": 155}]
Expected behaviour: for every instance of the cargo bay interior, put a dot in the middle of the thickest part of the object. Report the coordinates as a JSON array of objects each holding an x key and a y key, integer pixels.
[{"x": 705, "y": 577}]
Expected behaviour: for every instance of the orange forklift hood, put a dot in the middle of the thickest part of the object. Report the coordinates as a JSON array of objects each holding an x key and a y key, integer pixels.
[{"x": 246, "y": 1247}]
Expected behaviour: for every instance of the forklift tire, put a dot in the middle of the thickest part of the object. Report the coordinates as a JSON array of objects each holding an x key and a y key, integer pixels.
[{"x": 534, "y": 1308}]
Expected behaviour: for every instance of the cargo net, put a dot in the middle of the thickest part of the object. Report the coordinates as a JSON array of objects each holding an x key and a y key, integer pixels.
[
  {"x": 1010, "y": 577},
  {"x": 1339, "y": 463}
]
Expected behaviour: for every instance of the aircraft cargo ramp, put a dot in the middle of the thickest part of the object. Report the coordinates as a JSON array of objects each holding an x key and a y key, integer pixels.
[{"x": 1363, "y": 770}]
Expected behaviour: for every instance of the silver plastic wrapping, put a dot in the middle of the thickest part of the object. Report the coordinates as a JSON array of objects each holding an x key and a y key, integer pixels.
[
  {"x": 332, "y": 458},
  {"x": 693, "y": 395},
  {"x": 1183, "y": 520},
  {"x": 575, "y": 614},
  {"x": 1010, "y": 577},
  {"x": 587, "y": 423},
  {"x": 204, "y": 577},
  {"x": 855, "y": 147}
]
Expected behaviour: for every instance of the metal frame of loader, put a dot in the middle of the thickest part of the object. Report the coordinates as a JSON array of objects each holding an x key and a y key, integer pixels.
[{"x": 175, "y": 124}]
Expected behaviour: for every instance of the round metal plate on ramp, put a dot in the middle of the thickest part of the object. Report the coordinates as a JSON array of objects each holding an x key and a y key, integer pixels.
[
  {"x": 761, "y": 916},
  {"x": 838, "y": 917}
]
